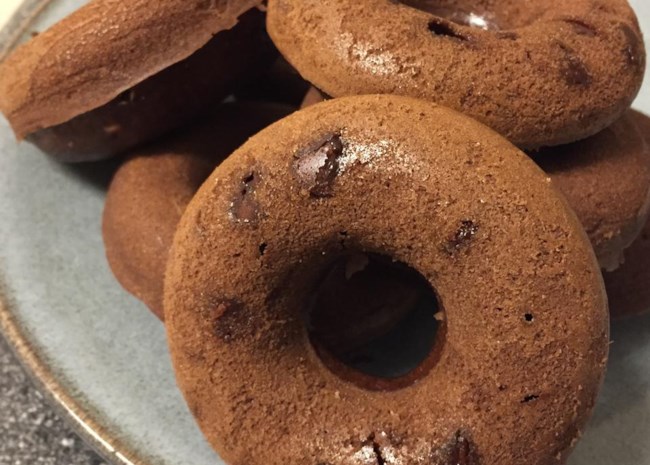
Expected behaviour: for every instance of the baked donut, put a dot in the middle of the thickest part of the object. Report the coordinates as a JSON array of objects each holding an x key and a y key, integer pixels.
[
  {"x": 116, "y": 74},
  {"x": 517, "y": 364},
  {"x": 606, "y": 180},
  {"x": 150, "y": 191},
  {"x": 628, "y": 287},
  {"x": 541, "y": 73}
]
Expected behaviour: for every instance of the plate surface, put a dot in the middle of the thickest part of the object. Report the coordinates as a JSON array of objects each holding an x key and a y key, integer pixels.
[{"x": 102, "y": 357}]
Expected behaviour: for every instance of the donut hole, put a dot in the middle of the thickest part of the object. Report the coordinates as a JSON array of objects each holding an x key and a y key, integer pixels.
[
  {"x": 482, "y": 14},
  {"x": 374, "y": 322}
]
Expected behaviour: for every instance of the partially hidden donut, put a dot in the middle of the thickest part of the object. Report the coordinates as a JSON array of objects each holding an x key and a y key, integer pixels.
[
  {"x": 606, "y": 179},
  {"x": 151, "y": 189},
  {"x": 116, "y": 74},
  {"x": 540, "y": 73},
  {"x": 281, "y": 83},
  {"x": 521, "y": 350},
  {"x": 628, "y": 287}
]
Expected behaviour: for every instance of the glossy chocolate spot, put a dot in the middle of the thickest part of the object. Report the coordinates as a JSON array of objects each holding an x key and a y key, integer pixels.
[
  {"x": 374, "y": 446},
  {"x": 459, "y": 16},
  {"x": 462, "y": 237},
  {"x": 573, "y": 69},
  {"x": 232, "y": 321},
  {"x": 244, "y": 207},
  {"x": 442, "y": 28},
  {"x": 262, "y": 248},
  {"x": 462, "y": 451},
  {"x": 459, "y": 451},
  {"x": 529, "y": 398},
  {"x": 317, "y": 166},
  {"x": 633, "y": 50},
  {"x": 581, "y": 27}
]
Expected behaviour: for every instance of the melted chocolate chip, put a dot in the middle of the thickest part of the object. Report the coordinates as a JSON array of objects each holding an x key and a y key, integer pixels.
[
  {"x": 318, "y": 166},
  {"x": 529, "y": 398},
  {"x": 581, "y": 27},
  {"x": 457, "y": 15},
  {"x": 376, "y": 449},
  {"x": 440, "y": 27},
  {"x": 462, "y": 237},
  {"x": 633, "y": 51},
  {"x": 462, "y": 452},
  {"x": 232, "y": 321},
  {"x": 459, "y": 451},
  {"x": 244, "y": 207},
  {"x": 507, "y": 35},
  {"x": 262, "y": 248},
  {"x": 573, "y": 70}
]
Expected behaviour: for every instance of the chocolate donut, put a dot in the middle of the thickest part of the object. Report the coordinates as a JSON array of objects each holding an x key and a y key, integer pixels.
[
  {"x": 606, "y": 180},
  {"x": 540, "y": 73},
  {"x": 628, "y": 287},
  {"x": 113, "y": 75},
  {"x": 150, "y": 191},
  {"x": 517, "y": 364}
]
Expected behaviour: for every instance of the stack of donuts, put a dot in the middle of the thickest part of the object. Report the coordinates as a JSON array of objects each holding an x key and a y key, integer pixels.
[{"x": 286, "y": 156}]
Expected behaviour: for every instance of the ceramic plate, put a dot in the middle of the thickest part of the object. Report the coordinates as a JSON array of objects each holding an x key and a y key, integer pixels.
[{"x": 102, "y": 357}]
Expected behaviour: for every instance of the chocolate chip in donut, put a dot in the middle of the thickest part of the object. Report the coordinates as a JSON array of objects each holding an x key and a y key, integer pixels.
[
  {"x": 318, "y": 164},
  {"x": 465, "y": 15},
  {"x": 244, "y": 207}
]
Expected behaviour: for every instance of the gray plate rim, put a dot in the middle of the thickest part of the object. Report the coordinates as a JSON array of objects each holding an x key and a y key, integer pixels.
[{"x": 81, "y": 418}]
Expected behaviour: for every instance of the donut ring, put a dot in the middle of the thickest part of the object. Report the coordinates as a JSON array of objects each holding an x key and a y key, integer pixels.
[
  {"x": 549, "y": 73},
  {"x": 115, "y": 74},
  {"x": 606, "y": 180},
  {"x": 526, "y": 315},
  {"x": 627, "y": 287},
  {"x": 150, "y": 191}
]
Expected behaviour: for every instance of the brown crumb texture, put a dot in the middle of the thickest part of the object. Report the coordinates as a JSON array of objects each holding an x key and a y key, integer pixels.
[{"x": 410, "y": 177}]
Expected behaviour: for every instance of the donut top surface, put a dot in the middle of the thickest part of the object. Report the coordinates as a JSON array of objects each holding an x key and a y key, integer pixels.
[
  {"x": 102, "y": 50},
  {"x": 526, "y": 333},
  {"x": 606, "y": 180},
  {"x": 541, "y": 73}
]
